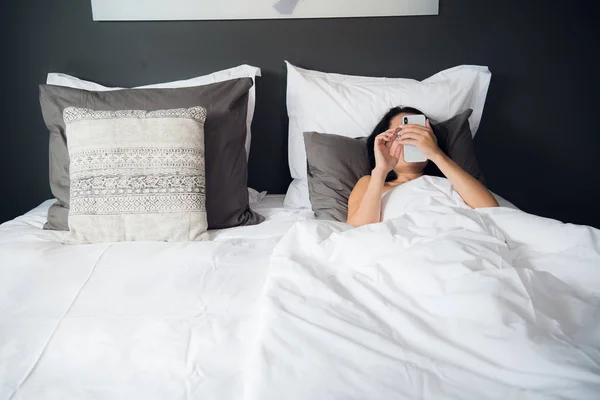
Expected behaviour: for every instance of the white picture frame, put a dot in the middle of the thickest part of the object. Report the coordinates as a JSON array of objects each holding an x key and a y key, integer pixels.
[{"x": 148, "y": 10}]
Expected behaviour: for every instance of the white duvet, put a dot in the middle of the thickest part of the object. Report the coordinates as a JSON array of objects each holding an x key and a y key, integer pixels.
[
  {"x": 130, "y": 320},
  {"x": 437, "y": 302}
]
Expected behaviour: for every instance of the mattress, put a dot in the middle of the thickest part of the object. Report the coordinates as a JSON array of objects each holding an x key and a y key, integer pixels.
[{"x": 131, "y": 320}]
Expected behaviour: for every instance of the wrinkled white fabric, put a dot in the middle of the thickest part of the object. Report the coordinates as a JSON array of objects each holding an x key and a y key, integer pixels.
[
  {"x": 439, "y": 301},
  {"x": 143, "y": 320},
  {"x": 255, "y": 197}
]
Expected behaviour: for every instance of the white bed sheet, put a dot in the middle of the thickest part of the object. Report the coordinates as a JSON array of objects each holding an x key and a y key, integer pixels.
[{"x": 131, "y": 320}]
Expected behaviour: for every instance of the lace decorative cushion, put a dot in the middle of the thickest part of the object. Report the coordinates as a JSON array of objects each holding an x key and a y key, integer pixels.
[{"x": 136, "y": 175}]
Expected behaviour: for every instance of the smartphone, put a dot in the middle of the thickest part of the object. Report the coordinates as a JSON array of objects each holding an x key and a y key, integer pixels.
[{"x": 412, "y": 153}]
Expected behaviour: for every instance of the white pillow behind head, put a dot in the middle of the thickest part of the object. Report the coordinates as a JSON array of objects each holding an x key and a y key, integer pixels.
[
  {"x": 468, "y": 85},
  {"x": 241, "y": 71},
  {"x": 352, "y": 105}
]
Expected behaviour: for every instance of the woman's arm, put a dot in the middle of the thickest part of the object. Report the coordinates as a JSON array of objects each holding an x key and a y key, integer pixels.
[
  {"x": 364, "y": 203},
  {"x": 470, "y": 189}
]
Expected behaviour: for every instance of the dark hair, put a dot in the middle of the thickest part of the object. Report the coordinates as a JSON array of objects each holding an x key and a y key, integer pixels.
[{"x": 383, "y": 126}]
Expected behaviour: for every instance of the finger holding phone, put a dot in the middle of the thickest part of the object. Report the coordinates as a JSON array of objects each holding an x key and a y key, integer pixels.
[
  {"x": 387, "y": 150},
  {"x": 418, "y": 139},
  {"x": 420, "y": 144}
]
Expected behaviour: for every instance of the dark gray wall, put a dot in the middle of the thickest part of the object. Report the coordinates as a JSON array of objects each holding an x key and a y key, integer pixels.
[{"x": 538, "y": 143}]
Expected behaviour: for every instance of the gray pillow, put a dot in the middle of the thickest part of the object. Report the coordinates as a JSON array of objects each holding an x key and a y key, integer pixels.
[
  {"x": 224, "y": 133},
  {"x": 335, "y": 163},
  {"x": 455, "y": 139}
]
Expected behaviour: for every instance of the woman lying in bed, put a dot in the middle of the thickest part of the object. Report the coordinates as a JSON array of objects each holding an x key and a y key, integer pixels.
[{"x": 386, "y": 152}]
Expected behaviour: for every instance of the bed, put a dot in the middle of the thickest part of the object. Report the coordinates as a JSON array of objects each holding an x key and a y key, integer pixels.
[{"x": 437, "y": 301}]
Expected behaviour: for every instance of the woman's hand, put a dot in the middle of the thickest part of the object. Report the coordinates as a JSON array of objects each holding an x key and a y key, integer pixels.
[
  {"x": 422, "y": 137},
  {"x": 387, "y": 150}
]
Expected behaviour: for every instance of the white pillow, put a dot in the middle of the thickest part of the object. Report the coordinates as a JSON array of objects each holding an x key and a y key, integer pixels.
[
  {"x": 297, "y": 195},
  {"x": 352, "y": 105},
  {"x": 242, "y": 71}
]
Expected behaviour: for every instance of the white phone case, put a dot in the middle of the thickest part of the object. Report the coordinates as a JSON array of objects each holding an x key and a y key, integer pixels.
[{"x": 412, "y": 153}]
